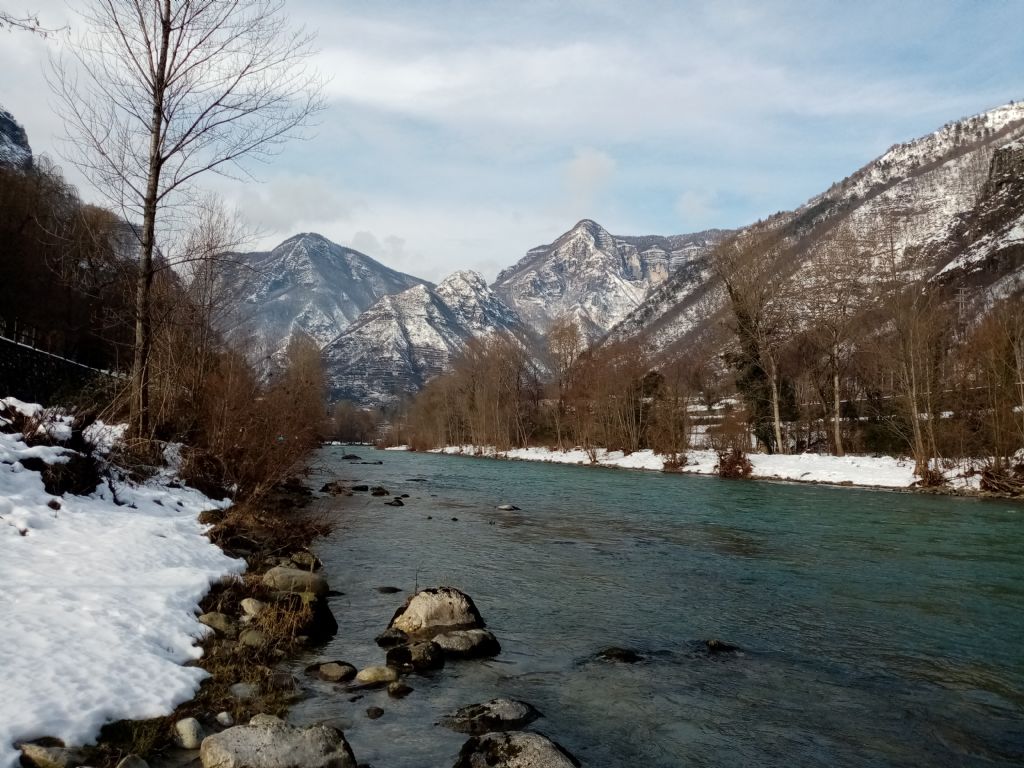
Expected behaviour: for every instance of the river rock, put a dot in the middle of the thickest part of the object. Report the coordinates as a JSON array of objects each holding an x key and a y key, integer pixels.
[
  {"x": 314, "y": 619},
  {"x": 493, "y": 715},
  {"x": 188, "y": 733},
  {"x": 225, "y": 719},
  {"x": 269, "y": 742},
  {"x": 388, "y": 590},
  {"x": 132, "y": 761},
  {"x": 378, "y": 490},
  {"x": 252, "y": 607},
  {"x": 468, "y": 644},
  {"x": 391, "y": 637},
  {"x": 307, "y": 561},
  {"x": 418, "y": 657},
  {"x": 373, "y": 675},
  {"x": 49, "y": 756},
  {"x": 374, "y": 713},
  {"x": 508, "y": 508},
  {"x": 622, "y": 655},
  {"x": 351, "y": 457},
  {"x": 285, "y": 579},
  {"x": 440, "y": 609},
  {"x": 253, "y": 638},
  {"x": 396, "y": 503},
  {"x": 399, "y": 690},
  {"x": 515, "y": 749},
  {"x": 361, "y": 487},
  {"x": 334, "y": 488},
  {"x": 716, "y": 647},
  {"x": 336, "y": 671},
  {"x": 220, "y": 623}
]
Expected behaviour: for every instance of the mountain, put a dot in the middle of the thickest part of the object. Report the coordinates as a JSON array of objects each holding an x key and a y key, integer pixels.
[
  {"x": 308, "y": 284},
  {"x": 947, "y": 204},
  {"x": 14, "y": 148},
  {"x": 593, "y": 277},
  {"x": 403, "y": 340}
]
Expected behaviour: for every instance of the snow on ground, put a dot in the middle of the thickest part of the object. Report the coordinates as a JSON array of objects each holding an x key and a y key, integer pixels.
[
  {"x": 877, "y": 471},
  {"x": 99, "y": 601}
]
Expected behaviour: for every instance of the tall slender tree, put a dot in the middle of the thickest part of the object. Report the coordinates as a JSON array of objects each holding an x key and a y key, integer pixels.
[{"x": 156, "y": 93}]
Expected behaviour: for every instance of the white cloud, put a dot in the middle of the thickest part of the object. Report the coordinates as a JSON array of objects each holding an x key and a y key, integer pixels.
[{"x": 586, "y": 177}]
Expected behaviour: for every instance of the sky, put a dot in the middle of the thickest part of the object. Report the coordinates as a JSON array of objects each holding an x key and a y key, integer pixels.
[{"x": 459, "y": 134}]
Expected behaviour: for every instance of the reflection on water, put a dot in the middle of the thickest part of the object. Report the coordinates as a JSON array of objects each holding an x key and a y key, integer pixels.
[{"x": 878, "y": 629}]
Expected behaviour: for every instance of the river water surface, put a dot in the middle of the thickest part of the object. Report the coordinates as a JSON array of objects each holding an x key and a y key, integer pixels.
[{"x": 879, "y": 629}]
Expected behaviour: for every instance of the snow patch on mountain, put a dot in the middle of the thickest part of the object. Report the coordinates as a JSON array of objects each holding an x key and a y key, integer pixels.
[
  {"x": 594, "y": 278},
  {"x": 306, "y": 284},
  {"x": 404, "y": 340}
]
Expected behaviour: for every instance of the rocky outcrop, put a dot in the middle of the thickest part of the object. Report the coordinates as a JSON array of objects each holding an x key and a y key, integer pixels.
[
  {"x": 515, "y": 749},
  {"x": 491, "y": 716},
  {"x": 15, "y": 151},
  {"x": 269, "y": 742}
]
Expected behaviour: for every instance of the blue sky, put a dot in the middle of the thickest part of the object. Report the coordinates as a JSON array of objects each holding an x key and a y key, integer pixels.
[{"x": 460, "y": 134}]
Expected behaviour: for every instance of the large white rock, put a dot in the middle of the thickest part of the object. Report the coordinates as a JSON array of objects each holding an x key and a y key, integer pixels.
[
  {"x": 372, "y": 675},
  {"x": 515, "y": 749},
  {"x": 189, "y": 733},
  {"x": 269, "y": 742},
  {"x": 435, "y": 610}
]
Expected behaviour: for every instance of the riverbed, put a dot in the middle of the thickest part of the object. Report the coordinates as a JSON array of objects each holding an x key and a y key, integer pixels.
[{"x": 876, "y": 629}]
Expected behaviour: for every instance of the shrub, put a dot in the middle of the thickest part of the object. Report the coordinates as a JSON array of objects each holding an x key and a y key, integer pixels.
[{"x": 734, "y": 464}]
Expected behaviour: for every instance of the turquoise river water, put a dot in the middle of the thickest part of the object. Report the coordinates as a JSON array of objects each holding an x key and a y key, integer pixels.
[{"x": 878, "y": 629}]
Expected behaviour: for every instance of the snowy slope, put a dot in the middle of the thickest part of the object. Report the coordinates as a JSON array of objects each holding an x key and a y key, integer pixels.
[
  {"x": 308, "y": 284},
  {"x": 401, "y": 342},
  {"x": 14, "y": 148},
  {"x": 100, "y": 598},
  {"x": 594, "y": 277},
  {"x": 917, "y": 199}
]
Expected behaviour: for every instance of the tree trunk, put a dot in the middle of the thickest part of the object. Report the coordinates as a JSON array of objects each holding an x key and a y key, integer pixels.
[
  {"x": 776, "y": 415},
  {"x": 140, "y": 420},
  {"x": 836, "y": 423}
]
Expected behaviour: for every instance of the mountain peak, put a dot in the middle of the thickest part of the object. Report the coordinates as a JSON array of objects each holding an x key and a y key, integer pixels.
[{"x": 467, "y": 278}]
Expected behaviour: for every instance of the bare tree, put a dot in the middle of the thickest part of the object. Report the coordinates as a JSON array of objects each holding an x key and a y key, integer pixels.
[
  {"x": 159, "y": 92},
  {"x": 564, "y": 346},
  {"x": 29, "y": 22}
]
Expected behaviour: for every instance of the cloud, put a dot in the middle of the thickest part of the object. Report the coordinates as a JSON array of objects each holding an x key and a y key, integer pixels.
[
  {"x": 696, "y": 209},
  {"x": 586, "y": 177},
  {"x": 289, "y": 203}
]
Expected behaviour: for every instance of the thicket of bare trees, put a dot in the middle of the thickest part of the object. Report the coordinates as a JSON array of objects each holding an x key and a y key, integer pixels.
[{"x": 854, "y": 350}]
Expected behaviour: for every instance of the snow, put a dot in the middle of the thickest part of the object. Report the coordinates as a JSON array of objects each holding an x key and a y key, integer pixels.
[
  {"x": 869, "y": 471},
  {"x": 100, "y": 600}
]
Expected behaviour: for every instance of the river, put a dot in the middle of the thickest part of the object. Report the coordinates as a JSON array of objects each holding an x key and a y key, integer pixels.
[{"x": 878, "y": 629}]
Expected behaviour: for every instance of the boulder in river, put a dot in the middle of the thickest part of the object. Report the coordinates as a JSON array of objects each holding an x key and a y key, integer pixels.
[
  {"x": 351, "y": 457},
  {"x": 514, "y": 749},
  {"x": 436, "y": 610},
  {"x": 391, "y": 637},
  {"x": 334, "y": 488},
  {"x": 379, "y": 490},
  {"x": 376, "y": 675},
  {"x": 132, "y": 761},
  {"x": 468, "y": 644},
  {"x": 396, "y": 502},
  {"x": 269, "y": 742},
  {"x": 285, "y": 579},
  {"x": 493, "y": 715},
  {"x": 362, "y": 487},
  {"x": 716, "y": 647},
  {"x": 399, "y": 690},
  {"x": 508, "y": 508},
  {"x": 418, "y": 657},
  {"x": 334, "y": 671},
  {"x": 621, "y": 655}
]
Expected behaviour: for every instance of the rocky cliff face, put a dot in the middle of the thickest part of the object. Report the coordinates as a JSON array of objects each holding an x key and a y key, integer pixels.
[
  {"x": 307, "y": 284},
  {"x": 404, "y": 340},
  {"x": 941, "y": 203},
  {"x": 594, "y": 278},
  {"x": 14, "y": 148}
]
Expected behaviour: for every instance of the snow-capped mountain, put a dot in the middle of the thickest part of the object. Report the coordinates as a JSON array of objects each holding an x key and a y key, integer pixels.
[
  {"x": 14, "y": 148},
  {"x": 308, "y": 284},
  {"x": 593, "y": 277},
  {"x": 404, "y": 340},
  {"x": 935, "y": 201}
]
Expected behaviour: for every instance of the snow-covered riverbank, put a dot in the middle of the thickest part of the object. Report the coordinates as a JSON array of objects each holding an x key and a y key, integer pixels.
[
  {"x": 100, "y": 599},
  {"x": 867, "y": 471}
]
